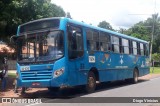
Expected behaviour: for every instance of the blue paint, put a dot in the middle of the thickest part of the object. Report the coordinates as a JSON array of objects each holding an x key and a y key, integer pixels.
[{"x": 110, "y": 66}]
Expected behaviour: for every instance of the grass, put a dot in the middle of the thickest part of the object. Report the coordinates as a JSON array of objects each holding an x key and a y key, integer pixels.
[
  {"x": 12, "y": 75},
  {"x": 155, "y": 71}
]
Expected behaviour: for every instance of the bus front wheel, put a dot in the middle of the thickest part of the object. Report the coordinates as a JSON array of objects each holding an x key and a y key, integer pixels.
[
  {"x": 135, "y": 76},
  {"x": 23, "y": 90},
  {"x": 91, "y": 83}
]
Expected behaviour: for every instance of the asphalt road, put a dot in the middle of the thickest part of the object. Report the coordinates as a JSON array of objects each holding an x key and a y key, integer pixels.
[{"x": 144, "y": 88}]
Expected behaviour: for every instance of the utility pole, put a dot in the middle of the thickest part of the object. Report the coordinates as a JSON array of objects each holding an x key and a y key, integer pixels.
[
  {"x": 151, "y": 44},
  {"x": 152, "y": 34}
]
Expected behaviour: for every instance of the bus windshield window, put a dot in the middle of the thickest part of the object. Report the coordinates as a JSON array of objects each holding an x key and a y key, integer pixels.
[{"x": 41, "y": 47}]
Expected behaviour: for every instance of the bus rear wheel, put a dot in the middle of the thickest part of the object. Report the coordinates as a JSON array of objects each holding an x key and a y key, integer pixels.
[
  {"x": 91, "y": 83},
  {"x": 135, "y": 76}
]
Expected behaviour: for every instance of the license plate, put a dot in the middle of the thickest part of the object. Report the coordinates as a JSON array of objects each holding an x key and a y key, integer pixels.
[
  {"x": 35, "y": 84},
  {"x": 25, "y": 68}
]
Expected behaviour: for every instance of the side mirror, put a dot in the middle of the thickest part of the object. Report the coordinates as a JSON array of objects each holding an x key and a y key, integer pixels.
[{"x": 13, "y": 39}]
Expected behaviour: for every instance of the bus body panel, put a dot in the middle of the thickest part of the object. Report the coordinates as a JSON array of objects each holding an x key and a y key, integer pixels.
[
  {"x": 110, "y": 66},
  {"x": 77, "y": 76},
  {"x": 43, "y": 75}
]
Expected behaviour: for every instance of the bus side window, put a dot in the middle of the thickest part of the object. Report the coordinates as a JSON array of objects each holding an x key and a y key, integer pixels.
[
  {"x": 134, "y": 44},
  {"x": 96, "y": 40},
  {"x": 89, "y": 40},
  {"x": 125, "y": 46},
  {"x": 88, "y": 45},
  {"x": 142, "y": 49},
  {"x": 104, "y": 40},
  {"x": 130, "y": 47},
  {"x": 121, "y": 45},
  {"x": 92, "y": 40},
  {"x": 71, "y": 41},
  {"x": 146, "y": 49},
  {"x": 138, "y": 48},
  {"x": 115, "y": 44}
]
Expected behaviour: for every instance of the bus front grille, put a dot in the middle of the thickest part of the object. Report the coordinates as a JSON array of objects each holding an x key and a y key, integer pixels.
[{"x": 36, "y": 75}]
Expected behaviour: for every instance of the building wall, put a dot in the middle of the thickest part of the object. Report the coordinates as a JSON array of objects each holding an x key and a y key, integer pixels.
[
  {"x": 11, "y": 64},
  {"x": 6, "y": 47}
]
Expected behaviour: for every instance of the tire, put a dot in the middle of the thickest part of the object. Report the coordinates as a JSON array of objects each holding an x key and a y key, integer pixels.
[
  {"x": 91, "y": 83},
  {"x": 15, "y": 87},
  {"x": 135, "y": 76},
  {"x": 23, "y": 91}
]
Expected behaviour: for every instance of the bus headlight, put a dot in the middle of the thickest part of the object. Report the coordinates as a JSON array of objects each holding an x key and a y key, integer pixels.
[{"x": 58, "y": 72}]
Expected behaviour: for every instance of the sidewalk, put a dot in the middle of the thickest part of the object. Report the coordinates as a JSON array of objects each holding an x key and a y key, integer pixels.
[{"x": 149, "y": 76}]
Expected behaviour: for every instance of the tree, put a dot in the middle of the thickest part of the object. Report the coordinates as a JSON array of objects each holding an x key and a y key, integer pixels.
[
  {"x": 16, "y": 12},
  {"x": 124, "y": 31},
  {"x": 105, "y": 25},
  {"x": 139, "y": 31},
  {"x": 153, "y": 33},
  {"x": 68, "y": 15},
  {"x": 156, "y": 57},
  {"x": 143, "y": 30}
]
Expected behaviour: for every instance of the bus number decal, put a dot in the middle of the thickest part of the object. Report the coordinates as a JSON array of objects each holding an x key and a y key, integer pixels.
[{"x": 91, "y": 59}]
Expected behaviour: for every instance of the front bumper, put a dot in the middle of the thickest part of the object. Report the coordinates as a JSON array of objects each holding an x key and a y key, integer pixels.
[{"x": 41, "y": 83}]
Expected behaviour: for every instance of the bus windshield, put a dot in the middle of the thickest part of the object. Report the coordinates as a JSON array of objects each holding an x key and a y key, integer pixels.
[{"x": 44, "y": 46}]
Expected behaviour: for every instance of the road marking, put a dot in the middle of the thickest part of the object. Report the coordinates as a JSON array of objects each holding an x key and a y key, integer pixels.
[{"x": 33, "y": 104}]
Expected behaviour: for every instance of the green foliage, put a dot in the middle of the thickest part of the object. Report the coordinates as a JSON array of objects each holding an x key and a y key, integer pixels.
[
  {"x": 105, "y": 25},
  {"x": 16, "y": 12},
  {"x": 155, "y": 70},
  {"x": 139, "y": 31},
  {"x": 156, "y": 57},
  {"x": 11, "y": 75},
  {"x": 143, "y": 30}
]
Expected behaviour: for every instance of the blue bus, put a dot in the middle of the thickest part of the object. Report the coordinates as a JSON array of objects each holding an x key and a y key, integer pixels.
[{"x": 60, "y": 52}]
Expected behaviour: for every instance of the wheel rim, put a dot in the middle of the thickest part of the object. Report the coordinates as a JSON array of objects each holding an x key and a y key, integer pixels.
[
  {"x": 136, "y": 77},
  {"x": 91, "y": 82}
]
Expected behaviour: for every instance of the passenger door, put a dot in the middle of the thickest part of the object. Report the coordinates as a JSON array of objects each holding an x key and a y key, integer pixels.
[{"x": 75, "y": 53}]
